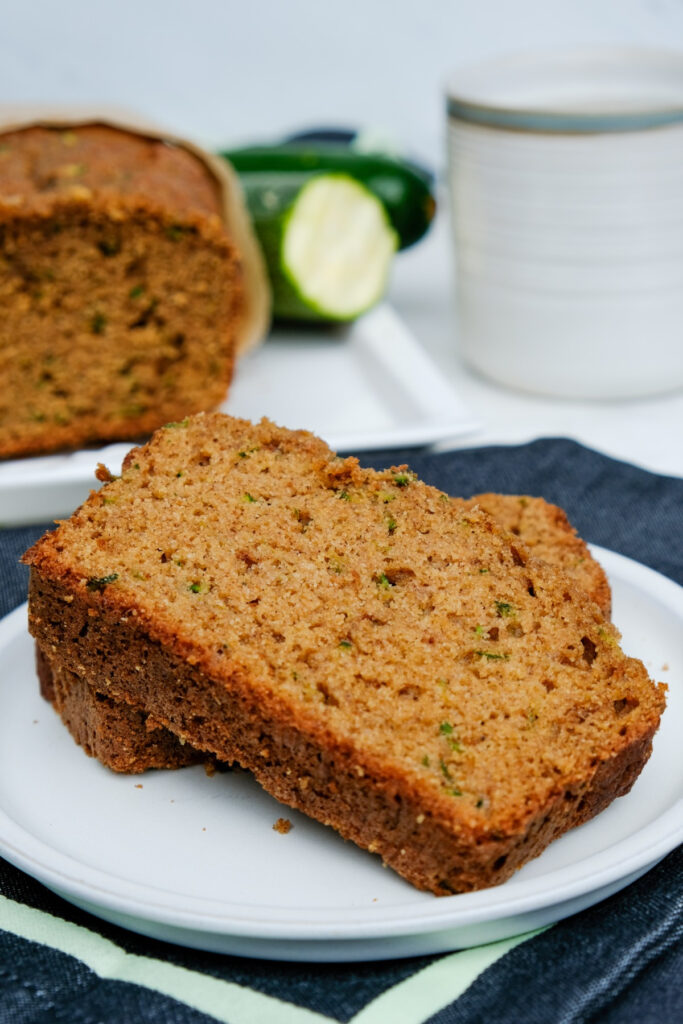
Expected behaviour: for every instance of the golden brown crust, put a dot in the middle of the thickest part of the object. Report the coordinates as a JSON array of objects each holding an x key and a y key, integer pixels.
[
  {"x": 39, "y": 164},
  {"x": 381, "y": 658},
  {"x": 123, "y": 737}
]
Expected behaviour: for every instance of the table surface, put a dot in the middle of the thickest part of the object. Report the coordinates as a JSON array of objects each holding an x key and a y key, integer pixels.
[{"x": 647, "y": 432}]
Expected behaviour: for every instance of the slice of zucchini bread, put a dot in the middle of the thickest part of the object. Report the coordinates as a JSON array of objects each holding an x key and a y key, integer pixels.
[
  {"x": 381, "y": 658},
  {"x": 124, "y": 742},
  {"x": 128, "y": 280}
]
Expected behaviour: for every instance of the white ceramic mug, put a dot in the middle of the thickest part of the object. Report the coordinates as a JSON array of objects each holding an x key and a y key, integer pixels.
[{"x": 566, "y": 187}]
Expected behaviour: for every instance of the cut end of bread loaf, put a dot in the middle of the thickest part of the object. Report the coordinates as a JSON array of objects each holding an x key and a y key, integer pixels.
[
  {"x": 382, "y": 658},
  {"x": 111, "y": 326},
  {"x": 125, "y": 292}
]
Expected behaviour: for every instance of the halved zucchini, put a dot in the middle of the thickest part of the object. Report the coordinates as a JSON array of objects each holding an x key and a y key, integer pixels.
[{"x": 327, "y": 240}]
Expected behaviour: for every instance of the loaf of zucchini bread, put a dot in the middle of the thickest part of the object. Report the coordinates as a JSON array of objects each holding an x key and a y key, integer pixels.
[
  {"x": 382, "y": 658},
  {"x": 125, "y": 739},
  {"x": 129, "y": 279}
]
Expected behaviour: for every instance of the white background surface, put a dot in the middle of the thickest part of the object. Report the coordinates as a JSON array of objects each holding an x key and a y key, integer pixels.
[
  {"x": 225, "y": 70},
  {"x": 228, "y": 72}
]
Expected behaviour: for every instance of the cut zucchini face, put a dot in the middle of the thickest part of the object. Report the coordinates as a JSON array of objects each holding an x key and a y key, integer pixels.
[{"x": 337, "y": 247}]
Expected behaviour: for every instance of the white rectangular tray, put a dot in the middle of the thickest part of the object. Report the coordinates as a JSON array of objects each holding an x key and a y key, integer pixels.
[{"x": 369, "y": 385}]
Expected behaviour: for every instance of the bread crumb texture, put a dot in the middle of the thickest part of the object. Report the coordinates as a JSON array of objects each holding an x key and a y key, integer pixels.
[
  {"x": 548, "y": 534},
  {"x": 121, "y": 292},
  {"x": 387, "y": 659}
]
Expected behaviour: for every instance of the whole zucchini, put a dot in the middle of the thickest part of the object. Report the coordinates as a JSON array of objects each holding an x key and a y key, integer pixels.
[{"x": 404, "y": 189}]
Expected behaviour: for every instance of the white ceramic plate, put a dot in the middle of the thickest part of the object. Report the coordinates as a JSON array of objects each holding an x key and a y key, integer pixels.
[
  {"x": 370, "y": 385},
  {"x": 195, "y": 860}
]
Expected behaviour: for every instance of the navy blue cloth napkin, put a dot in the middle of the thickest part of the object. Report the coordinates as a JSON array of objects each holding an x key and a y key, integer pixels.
[{"x": 620, "y": 962}]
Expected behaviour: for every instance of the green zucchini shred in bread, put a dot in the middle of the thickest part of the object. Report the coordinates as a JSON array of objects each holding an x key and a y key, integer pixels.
[{"x": 292, "y": 670}]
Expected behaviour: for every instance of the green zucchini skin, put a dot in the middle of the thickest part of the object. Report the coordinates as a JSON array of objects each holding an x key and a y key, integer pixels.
[{"x": 405, "y": 192}]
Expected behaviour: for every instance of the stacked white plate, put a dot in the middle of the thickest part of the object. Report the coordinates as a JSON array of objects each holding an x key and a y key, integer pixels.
[{"x": 566, "y": 176}]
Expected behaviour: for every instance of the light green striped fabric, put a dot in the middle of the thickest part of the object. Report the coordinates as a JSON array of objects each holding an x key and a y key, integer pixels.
[{"x": 410, "y": 1002}]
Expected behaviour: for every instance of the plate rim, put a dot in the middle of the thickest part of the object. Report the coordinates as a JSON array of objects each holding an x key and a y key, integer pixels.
[{"x": 640, "y": 850}]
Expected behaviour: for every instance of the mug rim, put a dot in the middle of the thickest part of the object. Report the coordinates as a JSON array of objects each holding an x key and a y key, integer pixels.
[{"x": 473, "y": 91}]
